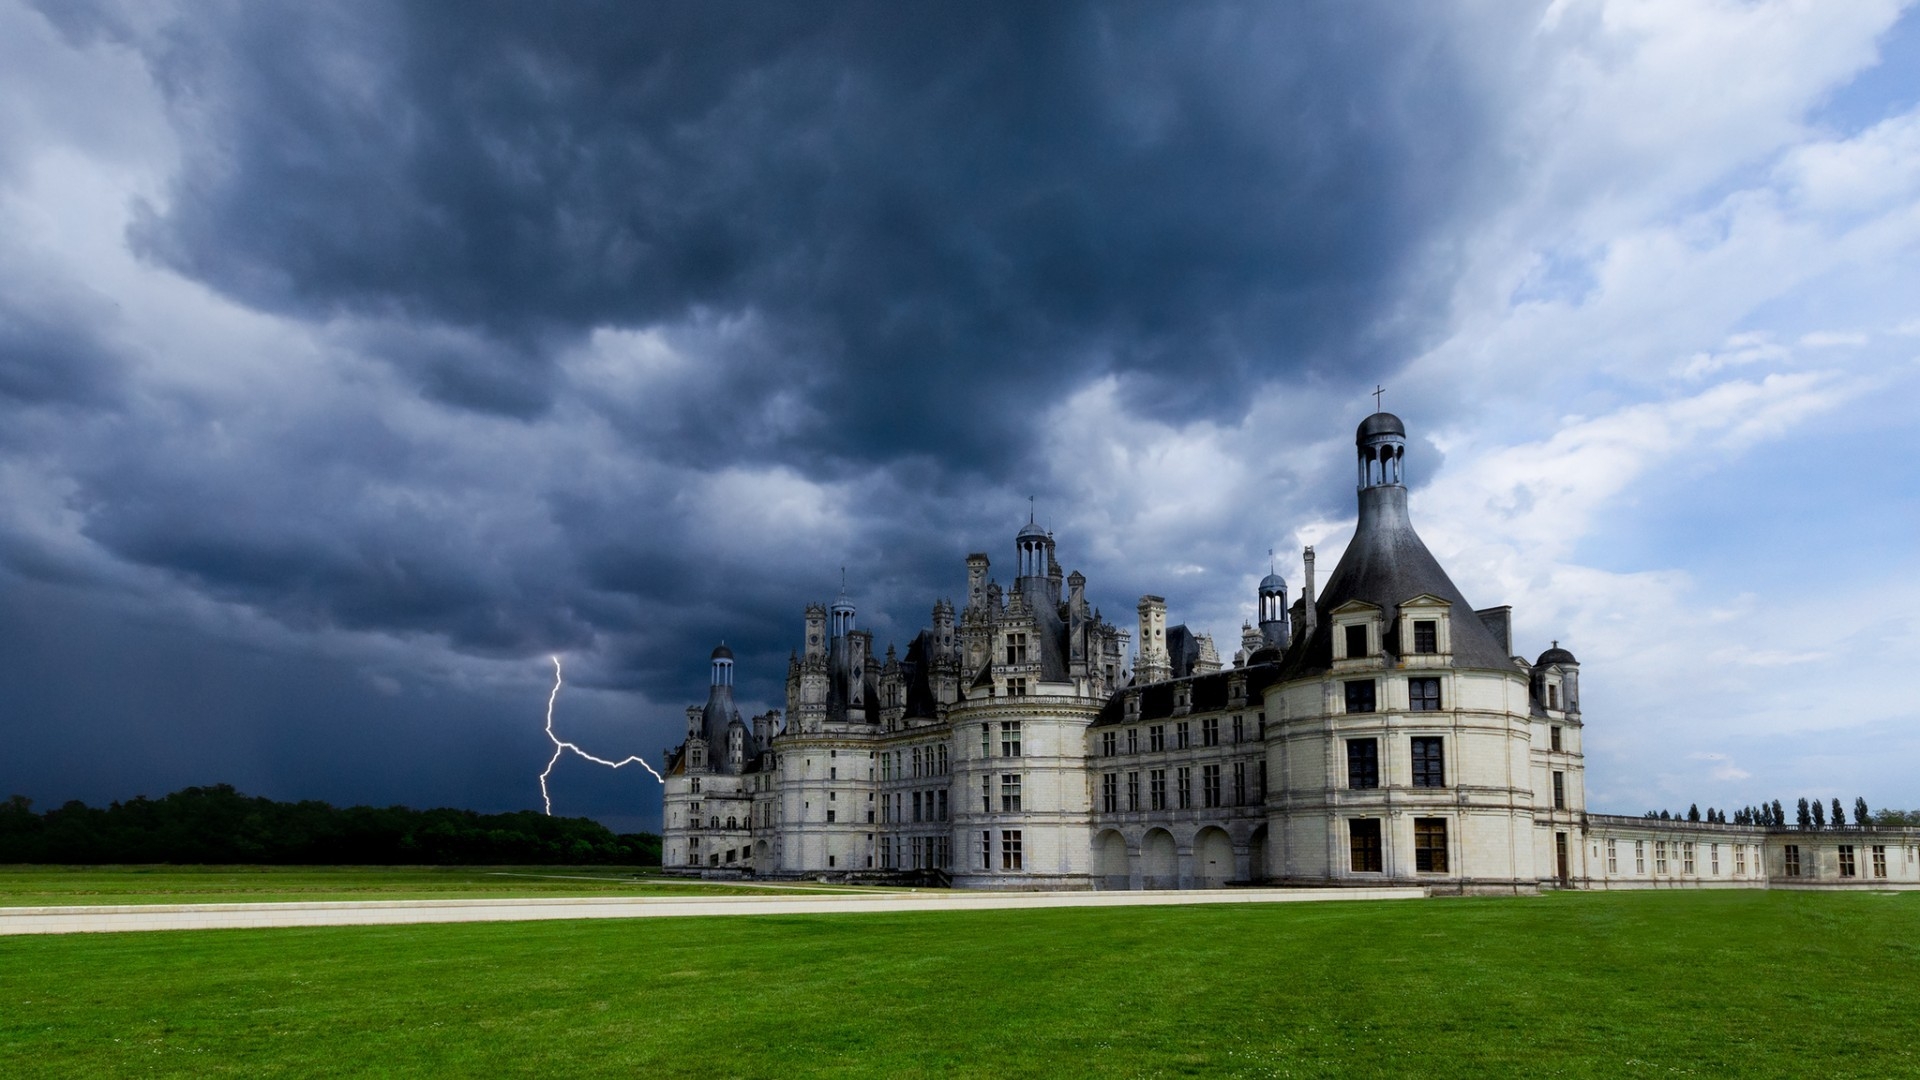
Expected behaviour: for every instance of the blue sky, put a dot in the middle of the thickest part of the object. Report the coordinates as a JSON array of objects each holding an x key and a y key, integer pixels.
[{"x": 354, "y": 359}]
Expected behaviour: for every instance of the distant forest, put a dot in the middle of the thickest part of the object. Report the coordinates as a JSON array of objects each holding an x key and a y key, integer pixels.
[{"x": 220, "y": 825}]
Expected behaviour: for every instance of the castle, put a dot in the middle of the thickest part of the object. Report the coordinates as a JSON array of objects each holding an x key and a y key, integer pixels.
[{"x": 1380, "y": 729}]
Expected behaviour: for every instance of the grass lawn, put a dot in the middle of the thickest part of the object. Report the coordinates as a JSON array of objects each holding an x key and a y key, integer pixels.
[
  {"x": 1707, "y": 983},
  {"x": 33, "y": 886}
]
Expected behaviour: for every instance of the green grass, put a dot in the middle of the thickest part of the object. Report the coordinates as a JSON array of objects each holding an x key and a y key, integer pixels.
[
  {"x": 33, "y": 886},
  {"x": 1633, "y": 984}
]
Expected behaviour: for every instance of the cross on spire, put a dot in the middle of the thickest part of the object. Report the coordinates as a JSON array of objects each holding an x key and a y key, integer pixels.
[
  {"x": 1269, "y": 560},
  {"x": 1377, "y": 391},
  {"x": 1030, "y": 510}
]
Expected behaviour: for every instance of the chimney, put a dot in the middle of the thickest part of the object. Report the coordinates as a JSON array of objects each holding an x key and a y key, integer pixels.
[{"x": 1306, "y": 594}]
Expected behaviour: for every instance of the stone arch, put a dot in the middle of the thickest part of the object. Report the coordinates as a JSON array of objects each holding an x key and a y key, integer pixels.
[
  {"x": 1258, "y": 868},
  {"x": 1110, "y": 869},
  {"x": 1159, "y": 861},
  {"x": 1212, "y": 858}
]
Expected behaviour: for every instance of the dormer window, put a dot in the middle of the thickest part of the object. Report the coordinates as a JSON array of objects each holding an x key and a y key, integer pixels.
[
  {"x": 1426, "y": 636},
  {"x": 1553, "y": 696},
  {"x": 1016, "y": 649},
  {"x": 1356, "y": 642}
]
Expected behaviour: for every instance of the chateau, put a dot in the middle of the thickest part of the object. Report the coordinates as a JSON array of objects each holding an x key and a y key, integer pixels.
[{"x": 1379, "y": 729}]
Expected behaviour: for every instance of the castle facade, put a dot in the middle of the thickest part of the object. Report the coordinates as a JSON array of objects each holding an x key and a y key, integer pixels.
[{"x": 1380, "y": 729}]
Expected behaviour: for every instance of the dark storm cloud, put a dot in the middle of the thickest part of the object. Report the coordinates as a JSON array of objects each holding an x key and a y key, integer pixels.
[{"x": 940, "y": 214}]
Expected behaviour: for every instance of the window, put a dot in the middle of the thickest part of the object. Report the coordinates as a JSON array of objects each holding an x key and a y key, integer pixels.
[
  {"x": 1016, "y": 688},
  {"x": 1559, "y": 791},
  {"x": 1613, "y": 857},
  {"x": 916, "y": 806},
  {"x": 1879, "y": 860},
  {"x": 1182, "y": 735},
  {"x": 1846, "y": 860},
  {"x": 1210, "y": 785},
  {"x": 1009, "y": 738},
  {"x": 1010, "y": 793},
  {"x": 986, "y": 850},
  {"x": 1740, "y": 859},
  {"x": 942, "y": 759},
  {"x": 1363, "y": 763},
  {"x": 1261, "y": 720},
  {"x": 1423, "y": 695},
  {"x": 1356, "y": 642},
  {"x": 1429, "y": 762},
  {"x": 1184, "y": 778},
  {"x": 1157, "y": 789},
  {"x": 1210, "y": 731},
  {"x": 1133, "y": 791},
  {"x": 1363, "y": 845},
  {"x": 1110, "y": 792},
  {"x": 1109, "y": 743},
  {"x": 986, "y": 794},
  {"x": 1639, "y": 856},
  {"x": 1010, "y": 849},
  {"x": 1426, "y": 636},
  {"x": 1016, "y": 649},
  {"x": 1554, "y": 734},
  {"x": 1157, "y": 737},
  {"x": 1239, "y": 729},
  {"x": 1133, "y": 740},
  {"x": 1360, "y": 696},
  {"x": 1792, "y": 859},
  {"x": 886, "y": 766},
  {"x": 1260, "y": 780},
  {"x": 916, "y": 761},
  {"x": 1713, "y": 859},
  {"x": 1239, "y": 783},
  {"x": 1430, "y": 845},
  {"x": 942, "y": 804},
  {"x": 1659, "y": 856},
  {"x": 696, "y": 785},
  {"x": 1686, "y": 857},
  {"x": 1553, "y": 696},
  {"x": 986, "y": 739},
  {"x": 830, "y": 815},
  {"x": 833, "y": 773}
]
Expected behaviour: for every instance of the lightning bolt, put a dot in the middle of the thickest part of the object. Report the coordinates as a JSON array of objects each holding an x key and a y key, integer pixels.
[{"x": 561, "y": 746}]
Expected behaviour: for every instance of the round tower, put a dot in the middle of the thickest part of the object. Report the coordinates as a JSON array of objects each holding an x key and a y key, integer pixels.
[
  {"x": 1381, "y": 444},
  {"x": 1273, "y": 611},
  {"x": 722, "y": 666}
]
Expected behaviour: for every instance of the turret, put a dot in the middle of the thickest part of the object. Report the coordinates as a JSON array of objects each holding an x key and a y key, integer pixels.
[
  {"x": 1556, "y": 680},
  {"x": 1273, "y": 611},
  {"x": 1153, "y": 665},
  {"x": 977, "y": 565}
]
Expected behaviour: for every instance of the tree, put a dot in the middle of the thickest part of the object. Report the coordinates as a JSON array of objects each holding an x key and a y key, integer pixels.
[
  {"x": 1819, "y": 815},
  {"x": 1839, "y": 815},
  {"x": 1806, "y": 815},
  {"x": 1860, "y": 815},
  {"x": 1664, "y": 816},
  {"x": 1693, "y": 812},
  {"x": 1779, "y": 815}
]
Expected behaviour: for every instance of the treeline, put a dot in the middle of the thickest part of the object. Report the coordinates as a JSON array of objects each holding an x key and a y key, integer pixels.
[
  {"x": 220, "y": 825},
  {"x": 1808, "y": 815}
]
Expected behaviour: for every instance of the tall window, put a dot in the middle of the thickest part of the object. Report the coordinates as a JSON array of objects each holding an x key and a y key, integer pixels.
[
  {"x": 1239, "y": 783},
  {"x": 1713, "y": 859},
  {"x": 986, "y": 794},
  {"x": 986, "y": 739},
  {"x": 1426, "y": 636},
  {"x": 1363, "y": 845},
  {"x": 916, "y": 806},
  {"x": 1792, "y": 859},
  {"x": 1182, "y": 735},
  {"x": 986, "y": 850},
  {"x": 1356, "y": 641},
  {"x": 1109, "y": 743},
  {"x": 1157, "y": 737},
  {"x": 1016, "y": 688},
  {"x": 1360, "y": 696},
  {"x": 1363, "y": 763},
  {"x": 1553, "y": 696},
  {"x": 1260, "y": 780},
  {"x": 1133, "y": 740},
  {"x": 1555, "y": 735},
  {"x": 1010, "y": 793},
  {"x": 1010, "y": 849},
  {"x": 1740, "y": 859},
  {"x": 1686, "y": 857},
  {"x": 1110, "y": 792},
  {"x": 943, "y": 803},
  {"x": 1846, "y": 860},
  {"x": 1879, "y": 860},
  {"x": 1133, "y": 791},
  {"x": 1613, "y": 857},
  {"x": 1659, "y": 856},
  {"x": 943, "y": 759},
  {"x": 1185, "y": 779},
  {"x": 1210, "y": 785},
  {"x": 1010, "y": 738},
  {"x": 1429, "y": 761},
  {"x": 1239, "y": 729},
  {"x": 916, "y": 761},
  {"x": 1430, "y": 845},
  {"x": 1639, "y": 856},
  {"x": 1559, "y": 791},
  {"x": 1157, "y": 789},
  {"x": 1210, "y": 731},
  {"x": 1423, "y": 695}
]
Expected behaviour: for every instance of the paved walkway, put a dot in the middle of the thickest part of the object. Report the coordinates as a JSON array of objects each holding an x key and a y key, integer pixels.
[{"x": 74, "y": 920}]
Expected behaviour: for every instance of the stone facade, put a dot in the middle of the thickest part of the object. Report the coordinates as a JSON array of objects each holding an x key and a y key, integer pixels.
[{"x": 1379, "y": 731}]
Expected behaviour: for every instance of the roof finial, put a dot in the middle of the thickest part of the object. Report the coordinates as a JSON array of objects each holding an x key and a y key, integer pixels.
[
  {"x": 1269, "y": 560},
  {"x": 1556, "y": 644},
  {"x": 1029, "y": 509},
  {"x": 1377, "y": 391}
]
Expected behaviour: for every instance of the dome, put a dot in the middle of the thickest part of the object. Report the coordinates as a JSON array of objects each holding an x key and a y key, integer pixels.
[
  {"x": 1273, "y": 583},
  {"x": 1380, "y": 423},
  {"x": 1032, "y": 531},
  {"x": 1555, "y": 655},
  {"x": 721, "y": 652}
]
